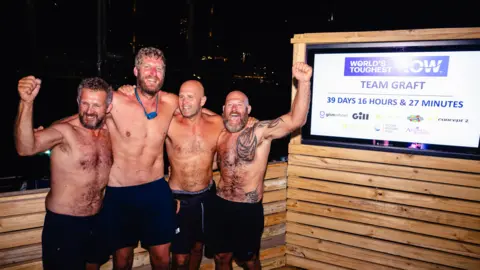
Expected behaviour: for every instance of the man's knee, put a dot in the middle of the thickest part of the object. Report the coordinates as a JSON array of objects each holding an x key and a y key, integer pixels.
[
  {"x": 223, "y": 258},
  {"x": 123, "y": 259},
  {"x": 160, "y": 256},
  {"x": 180, "y": 261},
  {"x": 251, "y": 262}
]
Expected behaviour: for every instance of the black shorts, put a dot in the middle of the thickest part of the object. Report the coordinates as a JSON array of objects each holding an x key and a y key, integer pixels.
[
  {"x": 235, "y": 227},
  {"x": 70, "y": 242},
  {"x": 191, "y": 218},
  {"x": 142, "y": 213}
]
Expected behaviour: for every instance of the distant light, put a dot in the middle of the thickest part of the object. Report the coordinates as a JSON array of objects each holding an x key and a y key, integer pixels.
[{"x": 47, "y": 152}]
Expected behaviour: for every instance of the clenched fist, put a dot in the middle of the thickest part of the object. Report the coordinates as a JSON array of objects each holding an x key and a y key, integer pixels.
[
  {"x": 302, "y": 71},
  {"x": 28, "y": 88}
]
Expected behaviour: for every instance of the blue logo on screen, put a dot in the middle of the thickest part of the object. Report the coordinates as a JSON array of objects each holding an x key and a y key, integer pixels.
[{"x": 418, "y": 66}]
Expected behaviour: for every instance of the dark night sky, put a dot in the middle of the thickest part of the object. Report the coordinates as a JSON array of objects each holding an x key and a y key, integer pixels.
[{"x": 65, "y": 31}]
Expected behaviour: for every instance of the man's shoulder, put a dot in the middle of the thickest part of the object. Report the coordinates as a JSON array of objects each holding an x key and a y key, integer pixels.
[{"x": 169, "y": 98}]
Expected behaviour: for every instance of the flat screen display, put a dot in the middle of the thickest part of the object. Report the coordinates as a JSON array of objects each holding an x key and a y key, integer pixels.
[{"x": 404, "y": 97}]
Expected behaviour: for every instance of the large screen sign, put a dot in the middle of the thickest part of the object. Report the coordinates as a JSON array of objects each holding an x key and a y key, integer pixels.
[{"x": 418, "y": 97}]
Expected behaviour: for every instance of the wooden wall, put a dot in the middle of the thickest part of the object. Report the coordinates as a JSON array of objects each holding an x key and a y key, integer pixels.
[
  {"x": 358, "y": 209},
  {"x": 22, "y": 215}
]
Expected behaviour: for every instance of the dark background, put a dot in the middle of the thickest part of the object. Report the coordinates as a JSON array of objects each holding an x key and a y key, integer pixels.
[{"x": 225, "y": 44}]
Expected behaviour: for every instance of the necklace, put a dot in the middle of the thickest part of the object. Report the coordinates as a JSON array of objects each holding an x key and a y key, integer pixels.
[{"x": 148, "y": 115}]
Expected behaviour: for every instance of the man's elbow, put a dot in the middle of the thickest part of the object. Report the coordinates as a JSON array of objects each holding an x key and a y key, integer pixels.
[
  {"x": 298, "y": 123},
  {"x": 24, "y": 152}
]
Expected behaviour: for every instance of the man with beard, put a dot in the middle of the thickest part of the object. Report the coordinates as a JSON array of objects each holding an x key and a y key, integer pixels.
[
  {"x": 138, "y": 203},
  {"x": 242, "y": 155},
  {"x": 191, "y": 142},
  {"x": 80, "y": 164}
]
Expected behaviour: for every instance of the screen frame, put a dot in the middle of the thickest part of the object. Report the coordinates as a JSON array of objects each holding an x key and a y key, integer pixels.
[{"x": 373, "y": 47}]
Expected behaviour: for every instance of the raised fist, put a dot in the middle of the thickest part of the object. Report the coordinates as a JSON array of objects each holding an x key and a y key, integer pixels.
[
  {"x": 28, "y": 88},
  {"x": 302, "y": 71},
  {"x": 128, "y": 90}
]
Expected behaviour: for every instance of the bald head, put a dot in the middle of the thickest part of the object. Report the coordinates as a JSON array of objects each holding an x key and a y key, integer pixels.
[
  {"x": 237, "y": 95},
  {"x": 191, "y": 98},
  {"x": 193, "y": 86}
]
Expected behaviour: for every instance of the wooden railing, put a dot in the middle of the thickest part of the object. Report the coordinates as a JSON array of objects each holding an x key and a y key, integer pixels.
[
  {"x": 22, "y": 215},
  {"x": 370, "y": 210}
]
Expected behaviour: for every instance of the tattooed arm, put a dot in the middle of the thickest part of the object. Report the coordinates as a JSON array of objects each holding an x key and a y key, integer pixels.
[{"x": 296, "y": 118}]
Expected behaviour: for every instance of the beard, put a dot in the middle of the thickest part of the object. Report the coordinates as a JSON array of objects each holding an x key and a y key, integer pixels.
[
  {"x": 148, "y": 89},
  {"x": 235, "y": 127},
  {"x": 95, "y": 123}
]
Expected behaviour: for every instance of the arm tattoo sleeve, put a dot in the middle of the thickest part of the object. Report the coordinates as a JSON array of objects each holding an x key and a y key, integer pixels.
[
  {"x": 270, "y": 123},
  {"x": 247, "y": 144}
]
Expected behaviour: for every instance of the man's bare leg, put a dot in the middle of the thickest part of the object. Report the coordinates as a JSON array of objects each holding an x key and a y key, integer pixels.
[
  {"x": 160, "y": 256},
  {"x": 196, "y": 256},
  {"x": 180, "y": 261},
  {"x": 123, "y": 259},
  {"x": 223, "y": 261},
  {"x": 253, "y": 264}
]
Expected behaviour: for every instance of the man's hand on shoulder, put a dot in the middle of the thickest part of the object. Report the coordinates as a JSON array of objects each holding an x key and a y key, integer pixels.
[
  {"x": 208, "y": 112},
  {"x": 127, "y": 90}
]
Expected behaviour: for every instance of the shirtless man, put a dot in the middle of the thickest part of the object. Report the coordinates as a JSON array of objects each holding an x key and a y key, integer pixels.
[
  {"x": 80, "y": 164},
  {"x": 242, "y": 155},
  {"x": 138, "y": 203},
  {"x": 191, "y": 141}
]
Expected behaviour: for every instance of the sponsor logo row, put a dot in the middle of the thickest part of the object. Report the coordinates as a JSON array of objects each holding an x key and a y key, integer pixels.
[{"x": 413, "y": 118}]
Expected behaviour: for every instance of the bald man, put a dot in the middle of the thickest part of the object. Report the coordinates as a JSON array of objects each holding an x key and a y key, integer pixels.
[
  {"x": 191, "y": 140},
  {"x": 242, "y": 156}
]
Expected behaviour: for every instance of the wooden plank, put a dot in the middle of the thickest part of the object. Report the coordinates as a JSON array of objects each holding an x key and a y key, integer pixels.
[
  {"x": 20, "y": 254},
  {"x": 442, "y": 231},
  {"x": 20, "y": 238},
  {"x": 397, "y": 236},
  {"x": 437, "y": 189},
  {"x": 21, "y": 222},
  {"x": 30, "y": 265},
  {"x": 433, "y": 202},
  {"x": 23, "y": 195},
  {"x": 451, "y": 164},
  {"x": 274, "y": 219},
  {"x": 20, "y": 207},
  {"x": 431, "y": 175},
  {"x": 274, "y": 207},
  {"x": 274, "y": 230},
  {"x": 334, "y": 259},
  {"x": 33, "y": 236},
  {"x": 273, "y": 196},
  {"x": 310, "y": 264},
  {"x": 362, "y": 254},
  {"x": 275, "y": 184},
  {"x": 433, "y": 216},
  {"x": 276, "y": 170},
  {"x": 28, "y": 221},
  {"x": 388, "y": 35},
  {"x": 407, "y": 251}
]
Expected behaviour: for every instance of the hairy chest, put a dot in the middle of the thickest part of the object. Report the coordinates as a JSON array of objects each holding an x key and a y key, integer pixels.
[{"x": 93, "y": 152}]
